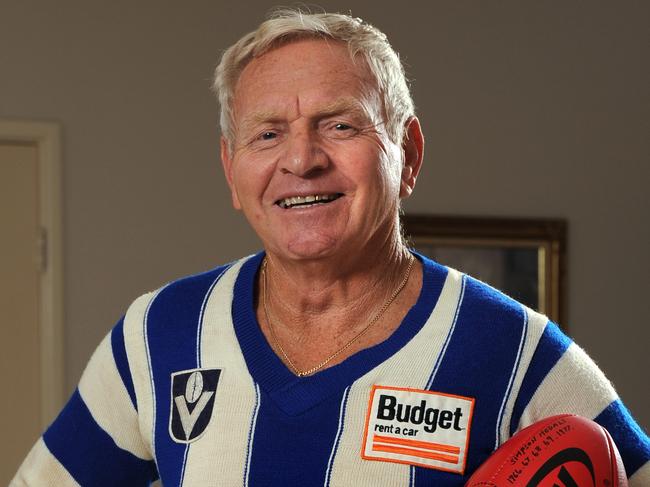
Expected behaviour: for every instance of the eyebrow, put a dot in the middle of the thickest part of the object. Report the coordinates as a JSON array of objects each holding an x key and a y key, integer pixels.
[
  {"x": 343, "y": 105},
  {"x": 337, "y": 107}
]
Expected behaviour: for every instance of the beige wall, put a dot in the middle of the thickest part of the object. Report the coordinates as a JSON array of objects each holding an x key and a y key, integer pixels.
[{"x": 529, "y": 109}]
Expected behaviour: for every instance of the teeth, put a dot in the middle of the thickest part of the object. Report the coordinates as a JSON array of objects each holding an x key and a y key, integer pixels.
[{"x": 304, "y": 200}]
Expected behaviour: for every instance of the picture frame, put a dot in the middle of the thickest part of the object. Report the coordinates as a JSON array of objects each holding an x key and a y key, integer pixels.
[{"x": 523, "y": 257}]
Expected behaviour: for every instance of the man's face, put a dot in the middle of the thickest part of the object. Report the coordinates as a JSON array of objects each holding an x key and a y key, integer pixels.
[{"x": 312, "y": 166}]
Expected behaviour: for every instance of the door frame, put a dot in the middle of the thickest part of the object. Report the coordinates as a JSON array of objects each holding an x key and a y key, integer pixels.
[{"x": 46, "y": 137}]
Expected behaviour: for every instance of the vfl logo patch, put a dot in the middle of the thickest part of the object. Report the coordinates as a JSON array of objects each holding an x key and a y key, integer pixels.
[
  {"x": 192, "y": 401},
  {"x": 418, "y": 427}
]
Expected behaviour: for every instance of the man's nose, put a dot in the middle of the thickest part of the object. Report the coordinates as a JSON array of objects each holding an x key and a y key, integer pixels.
[{"x": 304, "y": 156}]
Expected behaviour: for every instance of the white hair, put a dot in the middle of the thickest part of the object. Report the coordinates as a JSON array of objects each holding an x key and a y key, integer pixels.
[{"x": 288, "y": 25}]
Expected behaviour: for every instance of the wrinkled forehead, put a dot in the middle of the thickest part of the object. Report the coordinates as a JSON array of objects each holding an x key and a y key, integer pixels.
[
  {"x": 309, "y": 74},
  {"x": 301, "y": 39}
]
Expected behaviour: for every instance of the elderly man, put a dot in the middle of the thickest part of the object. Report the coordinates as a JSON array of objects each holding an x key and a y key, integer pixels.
[{"x": 336, "y": 356}]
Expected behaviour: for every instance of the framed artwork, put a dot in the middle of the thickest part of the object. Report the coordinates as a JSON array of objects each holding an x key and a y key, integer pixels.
[{"x": 525, "y": 258}]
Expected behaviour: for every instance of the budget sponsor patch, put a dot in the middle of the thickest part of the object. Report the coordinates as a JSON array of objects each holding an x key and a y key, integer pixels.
[{"x": 417, "y": 427}]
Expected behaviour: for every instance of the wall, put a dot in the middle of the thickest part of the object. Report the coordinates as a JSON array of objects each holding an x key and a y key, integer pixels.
[{"x": 529, "y": 109}]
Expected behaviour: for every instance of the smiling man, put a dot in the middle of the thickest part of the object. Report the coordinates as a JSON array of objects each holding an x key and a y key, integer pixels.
[{"x": 336, "y": 356}]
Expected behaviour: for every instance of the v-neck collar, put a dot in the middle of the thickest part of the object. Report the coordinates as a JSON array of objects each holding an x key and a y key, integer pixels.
[{"x": 293, "y": 394}]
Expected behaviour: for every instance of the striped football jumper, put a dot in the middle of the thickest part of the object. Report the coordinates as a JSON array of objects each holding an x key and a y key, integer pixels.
[{"x": 185, "y": 388}]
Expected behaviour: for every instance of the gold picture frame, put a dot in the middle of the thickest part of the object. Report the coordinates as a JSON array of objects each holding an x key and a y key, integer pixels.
[{"x": 526, "y": 258}]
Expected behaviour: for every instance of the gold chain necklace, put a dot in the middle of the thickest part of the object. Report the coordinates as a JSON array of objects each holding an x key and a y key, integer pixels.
[{"x": 322, "y": 364}]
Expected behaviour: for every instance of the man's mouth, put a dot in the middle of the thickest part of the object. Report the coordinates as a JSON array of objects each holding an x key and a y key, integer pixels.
[{"x": 310, "y": 200}]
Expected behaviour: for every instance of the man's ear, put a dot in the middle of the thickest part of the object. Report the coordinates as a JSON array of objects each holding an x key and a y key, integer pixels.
[
  {"x": 413, "y": 149},
  {"x": 226, "y": 161}
]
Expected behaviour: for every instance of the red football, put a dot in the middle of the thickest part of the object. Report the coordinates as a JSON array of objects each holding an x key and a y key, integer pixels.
[{"x": 564, "y": 450}]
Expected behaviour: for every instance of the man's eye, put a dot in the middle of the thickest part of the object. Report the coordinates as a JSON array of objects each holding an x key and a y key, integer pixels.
[
  {"x": 268, "y": 136},
  {"x": 264, "y": 139},
  {"x": 341, "y": 130}
]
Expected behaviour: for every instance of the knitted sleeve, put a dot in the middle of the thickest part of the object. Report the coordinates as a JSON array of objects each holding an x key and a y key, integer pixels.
[
  {"x": 562, "y": 378},
  {"x": 96, "y": 439}
]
